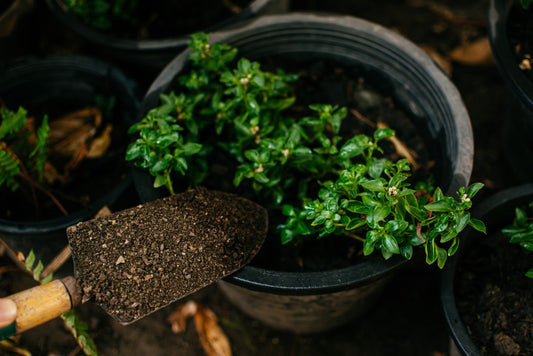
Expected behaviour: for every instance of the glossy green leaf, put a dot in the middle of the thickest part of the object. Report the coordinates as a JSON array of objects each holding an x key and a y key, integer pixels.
[{"x": 478, "y": 225}]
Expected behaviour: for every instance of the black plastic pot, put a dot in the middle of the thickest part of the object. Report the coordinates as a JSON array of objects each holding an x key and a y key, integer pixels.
[
  {"x": 497, "y": 212},
  {"x": 71, "y": 82},
  {"x": 516, "y": 143},
  {"x": 317, "y": 301},
  {"x": 153, "y": 54}
]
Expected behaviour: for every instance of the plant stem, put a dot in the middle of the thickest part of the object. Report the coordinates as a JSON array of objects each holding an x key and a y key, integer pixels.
[{"x": 354, "y": 236}]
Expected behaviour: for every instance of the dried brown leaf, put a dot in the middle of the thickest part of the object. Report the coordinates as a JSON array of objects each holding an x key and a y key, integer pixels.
[
  {"x": 402, "y": 149},
  {"x": 104, "y": 211},
  {"x": 100, "y": 144},
  {"x": 477, "y": 53},
  {"x": 441, "y": 61},
  {"x": 178, "y": 319},
  {"x": 213, "y": 339}
]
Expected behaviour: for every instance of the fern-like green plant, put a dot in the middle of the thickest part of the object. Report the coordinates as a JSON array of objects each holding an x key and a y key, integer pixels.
[
  {"x": 17, "y": 154},
  {"x": 77, "y": 327}
]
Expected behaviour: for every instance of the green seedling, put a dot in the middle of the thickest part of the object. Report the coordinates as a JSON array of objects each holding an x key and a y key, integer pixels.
[{"x": 521, "y": 231}]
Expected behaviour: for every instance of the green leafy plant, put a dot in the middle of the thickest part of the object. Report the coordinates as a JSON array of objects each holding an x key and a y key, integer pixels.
[
  {"x": 100, "y": 14},
  {"x": 21, "y": 158},
  {"x": 287, "y": 160},
  {"x": 77, "y": 327},
  {"x": 521, "y": 231}
]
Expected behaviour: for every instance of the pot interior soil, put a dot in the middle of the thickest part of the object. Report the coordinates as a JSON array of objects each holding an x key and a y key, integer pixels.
[
  {"x": 84, "y": 184},
  {"x": 520, "y": 34},
  {"x": 171, "y": 18},
  {"x": 143, "y": 258},
  {"x": 494, "y": 297}
]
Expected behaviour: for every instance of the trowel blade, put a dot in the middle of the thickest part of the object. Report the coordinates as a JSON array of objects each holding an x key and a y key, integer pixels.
[{"x": 141, "y": 259}]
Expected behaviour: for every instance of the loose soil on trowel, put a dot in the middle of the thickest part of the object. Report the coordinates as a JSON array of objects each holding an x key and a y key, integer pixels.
[
  {"x": 141, "y": 259},
  {"x": 494, "y": 297},
  {"x": 407, "y": 320}
]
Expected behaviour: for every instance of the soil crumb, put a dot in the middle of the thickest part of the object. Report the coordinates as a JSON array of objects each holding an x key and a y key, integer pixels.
[{"x": 139, "y": 260}]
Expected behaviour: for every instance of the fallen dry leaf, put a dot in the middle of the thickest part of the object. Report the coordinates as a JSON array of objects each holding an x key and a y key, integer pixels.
[
  {"x": 178, "y": 319},
  {"x": 212, "y": 337},
  {"x": 442, "y": 62},
  {"x": 104, "y": 211},
  {"x": 477, "y": 53},
  {"x": 101, "y": 143},
  {"x": 401, "y": 148}
]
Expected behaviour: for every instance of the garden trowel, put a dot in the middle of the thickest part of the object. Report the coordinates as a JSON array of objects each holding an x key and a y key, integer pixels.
[{"x": 141, "y": 259}]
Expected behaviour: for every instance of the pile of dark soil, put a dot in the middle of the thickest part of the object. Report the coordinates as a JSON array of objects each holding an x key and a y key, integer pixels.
[
  {"x": 494, "y": 297},
  {"x": 141, "y": 259}
]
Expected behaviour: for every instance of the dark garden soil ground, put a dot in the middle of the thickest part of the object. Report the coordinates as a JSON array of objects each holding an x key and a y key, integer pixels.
[
  {"x": 407, "y": 320},
  {"x": 494, "y": 297}
]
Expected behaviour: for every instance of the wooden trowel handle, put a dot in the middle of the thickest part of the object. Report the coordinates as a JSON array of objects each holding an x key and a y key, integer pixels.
[{"x": 37, "y": 305}]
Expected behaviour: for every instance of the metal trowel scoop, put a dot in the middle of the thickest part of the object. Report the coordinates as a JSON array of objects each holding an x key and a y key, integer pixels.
[{"x": 141, "y": 259}]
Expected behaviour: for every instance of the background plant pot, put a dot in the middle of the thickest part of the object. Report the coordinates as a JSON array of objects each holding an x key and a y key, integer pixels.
[
  {"x": 65, "y": 82},
  {"x": 313, "y": 302},
  {"x": 517, "y": 145},
  {"x": 151, "y": 55},
  {"x": 497, "y": 212}
]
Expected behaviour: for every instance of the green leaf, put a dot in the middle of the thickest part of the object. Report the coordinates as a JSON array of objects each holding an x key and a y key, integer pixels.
[
  {"x": 355, "y": 206},
  {"x": 37, "y": 271},
  {"x": 478, "y": 225},
  {"x": 443, "y": 205},
  {"x": 374, "y": 185},
  {"x": 448, "y": 236},
  {"x": 160, "y": 180},
  {"x": 30, "y": 260},
  {"x": 442, "y": 257},
  {"x": 368, "y": 247},
  {"x": 354, "y": 147},
  {"x": 472, "y": 190},
  {"x": 529, "y": 273},
  {"x": 376, "y": 168},
  {"x": 454, "y": 247},
  {"x": 431, "y": 252},
  {"x": 462, "y": 220},
  {"x": 406, "y": 251},
  {"x": 378, "y": 214},
  {"x": 47, "y": 278},
  {"x": 355, "y": 223},
  {"x": 191, "y": 148},
  {"x": 390, "y": 244},
  {"x": 381, "y": 134}
]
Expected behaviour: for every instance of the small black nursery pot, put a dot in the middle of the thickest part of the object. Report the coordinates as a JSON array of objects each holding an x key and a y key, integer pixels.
[
  {"x": 150, "y": 55},
  {"x": 468, "y": 285},
  {"x": 308, "y": 302},
  {"x": 510, "y": 37},
  {"x": 56, "y": 86}
]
